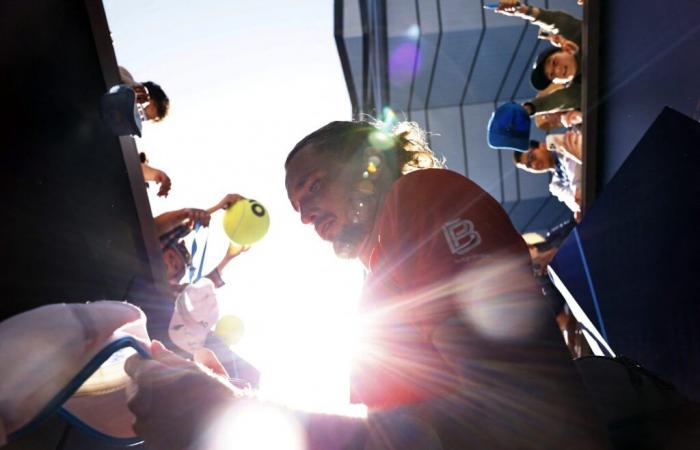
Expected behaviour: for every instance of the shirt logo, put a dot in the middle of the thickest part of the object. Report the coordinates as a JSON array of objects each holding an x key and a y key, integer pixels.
[{"x": 461, "y": 236}]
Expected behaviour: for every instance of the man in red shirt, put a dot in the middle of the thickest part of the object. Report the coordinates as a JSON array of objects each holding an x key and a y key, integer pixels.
[{"x": 460, "y": 350}]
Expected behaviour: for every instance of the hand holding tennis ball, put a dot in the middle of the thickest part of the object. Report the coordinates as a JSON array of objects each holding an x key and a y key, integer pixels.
[{"x": 246, "y": 221}]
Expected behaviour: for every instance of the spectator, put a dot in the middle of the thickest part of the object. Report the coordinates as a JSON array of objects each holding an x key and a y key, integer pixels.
[
  {"x": 542, "y": 252},
  {"x": 189, "y": 336},
  {"x": 149, "y": 95},
  {"x": 509, "y": 129},
  {"x": 566, "y": 172},
  {"x": 174, "y": 226},
  {"x": 459, "y": 343},
  {"x": 155, "y": 175},
  {"x": 560, "y": 64},
  {"x": 553, "y": 120}
]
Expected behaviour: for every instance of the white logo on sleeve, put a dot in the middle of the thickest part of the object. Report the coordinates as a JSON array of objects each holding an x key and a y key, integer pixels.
[{"x": 461, "y": 236}]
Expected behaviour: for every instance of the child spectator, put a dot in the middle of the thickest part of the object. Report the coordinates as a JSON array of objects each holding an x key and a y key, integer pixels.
[
  {"x": 173, "y": 226},
  {"x": 191, "y": 330},
  {"x": 560, "y": 64},
  {"x": 566, "y": 172},
  {"x": 560, "y": 119},
  {"x": 509, "y": 129},
  {"x": 149, "y": 95},
  {"x": 155, "y": 175}
]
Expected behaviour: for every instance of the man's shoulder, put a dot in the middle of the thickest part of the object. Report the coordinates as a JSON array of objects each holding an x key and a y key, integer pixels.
[
  {"x": 436, "y": 192},
  {"x": 431, "y": 181}
]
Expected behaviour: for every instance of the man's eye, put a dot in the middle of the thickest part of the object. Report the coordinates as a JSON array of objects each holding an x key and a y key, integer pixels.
[{"x": 315, "y": 186}]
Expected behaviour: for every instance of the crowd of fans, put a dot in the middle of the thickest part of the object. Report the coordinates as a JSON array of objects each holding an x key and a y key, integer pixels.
[
  {"x": 556, "y": 110},
  {"x": 173, "y": 227},
  {"x": 556, "y": 75},
  {"x": 459, "y": 351}
]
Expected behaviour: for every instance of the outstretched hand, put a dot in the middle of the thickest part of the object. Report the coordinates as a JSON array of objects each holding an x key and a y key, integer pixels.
[
  {"x": 174, "y": 399},
  {"x": 194, "y": 216},
  {"x": 235, "y": 250},
  {"x": 226, "y": 202},
  {"x": 164, "y": 181},
  {"x": 170, "y": 220},
  {"x": 571, "y": 118},
  {"x": 157, "y": 176},
  {"x": 511, "y": 8}
]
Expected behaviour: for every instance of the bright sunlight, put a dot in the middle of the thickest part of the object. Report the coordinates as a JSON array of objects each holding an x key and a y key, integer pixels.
[{"x": 245, "y": 84}]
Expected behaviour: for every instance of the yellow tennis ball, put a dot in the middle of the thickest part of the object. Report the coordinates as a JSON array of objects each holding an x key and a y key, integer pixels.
[
  {"x": 246, "y": 222},
  {"x": 229, "y": 329}
]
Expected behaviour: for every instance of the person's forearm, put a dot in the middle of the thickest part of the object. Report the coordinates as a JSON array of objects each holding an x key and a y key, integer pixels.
[
  {"x": 216, "y": 275},
  {"x": 168, "y": 221},
  {"x": 223, "y": 263},
  {"x": 561, "y": 100},
  {"x": 530, "y": 13},
  {"x": 572, "y": 152},
  {"x": 564, "y": 195},
  {"x": 149, "y": 173},
  {"x": 558, "y": 22}
]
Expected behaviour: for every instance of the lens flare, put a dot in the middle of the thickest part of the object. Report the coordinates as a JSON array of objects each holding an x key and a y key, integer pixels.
[
  {"x": 388, "y": 118},
  {"x": 254, "y": 425},
  {"x": 413, "y": 32},
  {"x": 380, "y": 140},
  {"x": 404, "y": 62}
]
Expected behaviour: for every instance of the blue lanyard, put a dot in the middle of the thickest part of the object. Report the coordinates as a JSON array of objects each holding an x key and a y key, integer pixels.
[{"x": 193, "y": 251}]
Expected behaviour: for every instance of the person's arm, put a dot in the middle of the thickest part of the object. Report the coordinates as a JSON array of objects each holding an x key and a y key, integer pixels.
[
  {"x": 572, "y": 118},
  {"x": 564, "y": 194},
  {"x": 514, "y": 8},
  {"x": 183, "y": 405},
  {"x": 561, "y": 100},
  {"x": 548, "y": 121},
  {"x": 179, "y": 404},
  {"x": 170, "y": 220},
  {"x": 225, "y": 203},
  {"x": 558, "y": 23},
  {"x": 572, "y": 147},
  {"x": 216, "y": 275},
  {"x": 157, "y": 176},
  {"x": 550, "y": 22}
]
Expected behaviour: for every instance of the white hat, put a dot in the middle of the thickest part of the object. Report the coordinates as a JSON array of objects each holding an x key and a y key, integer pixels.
[{"x": 196, "y": 312}]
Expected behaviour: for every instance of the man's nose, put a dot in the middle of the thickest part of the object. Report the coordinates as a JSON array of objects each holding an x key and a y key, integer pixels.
[{"x": 308, "y": 214}]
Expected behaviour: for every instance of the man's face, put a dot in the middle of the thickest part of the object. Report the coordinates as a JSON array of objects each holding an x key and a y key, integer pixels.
[
  {"x": 537, "y": 159},
  {"x": 560, "y": 67},
  {"x": 319, "y": 188},
  {"x": 174, "y": 265},
  {"x": 151, "y": 111}
]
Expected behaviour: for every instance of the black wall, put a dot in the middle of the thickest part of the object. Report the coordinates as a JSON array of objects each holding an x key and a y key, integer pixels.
[{"x": 76, "y": 224}]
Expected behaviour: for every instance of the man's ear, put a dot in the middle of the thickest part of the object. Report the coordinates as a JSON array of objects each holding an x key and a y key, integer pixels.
[{"x": 569, "y": 47}]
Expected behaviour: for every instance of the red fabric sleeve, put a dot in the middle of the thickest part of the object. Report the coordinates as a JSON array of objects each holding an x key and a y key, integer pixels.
[{"x": 435, "y": 227}]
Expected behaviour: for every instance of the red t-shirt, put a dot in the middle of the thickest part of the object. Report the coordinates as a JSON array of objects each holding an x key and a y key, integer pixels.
[{"x": 436, "y": 230}]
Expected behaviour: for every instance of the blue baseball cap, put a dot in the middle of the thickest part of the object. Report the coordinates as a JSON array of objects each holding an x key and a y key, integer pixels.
[{"x": 509, "y": 128}]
